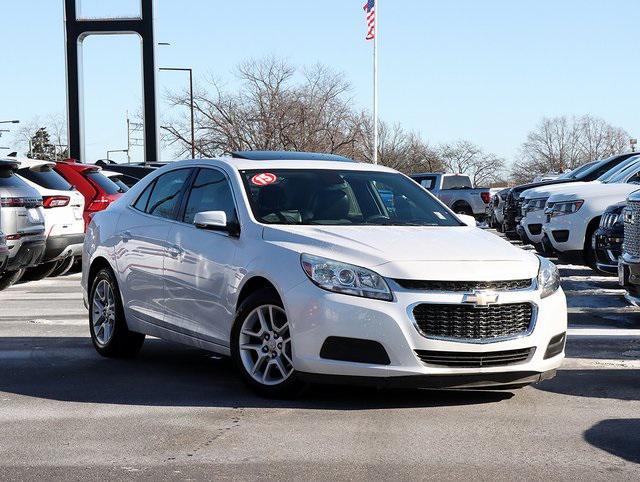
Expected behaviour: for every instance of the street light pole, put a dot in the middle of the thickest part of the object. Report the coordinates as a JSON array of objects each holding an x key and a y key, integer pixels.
[
  {"x": 193, "y": 129},
  {"x": 10, "y": 122}
]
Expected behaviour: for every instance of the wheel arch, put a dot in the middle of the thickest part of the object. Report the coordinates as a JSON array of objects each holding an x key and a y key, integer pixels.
[
  {"x": 97, "y": 264},
  {"x": 253, "y": 284},
  {"x": 592, "y": 226}
]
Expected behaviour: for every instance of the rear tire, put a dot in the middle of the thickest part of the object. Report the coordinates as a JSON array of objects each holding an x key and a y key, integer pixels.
[
  {"x": 109, "y": 332},
  {"x": 9, "y": 277},
  {"x": 261, "y": 346},
  {"x": 39, "y": 272},
  {"x": 63, "y": 267}
]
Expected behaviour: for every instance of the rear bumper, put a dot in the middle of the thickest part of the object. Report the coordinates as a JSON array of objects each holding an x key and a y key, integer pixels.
[
  {"x": 63, "y": 246},
  {"x": 29, "y": 254},
  {"x": 475, "y": 381}
]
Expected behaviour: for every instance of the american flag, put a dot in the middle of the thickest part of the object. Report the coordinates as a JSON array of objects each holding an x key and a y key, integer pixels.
[{"x": 370, "y": 9}]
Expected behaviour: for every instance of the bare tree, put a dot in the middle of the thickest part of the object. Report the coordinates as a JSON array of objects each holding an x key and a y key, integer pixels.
[
  {"x": 269, "y": 112},
  {"x": 54, "y": 125},
  {"x": 558, "y": 144},
  {"x": 464, "y": 157}
]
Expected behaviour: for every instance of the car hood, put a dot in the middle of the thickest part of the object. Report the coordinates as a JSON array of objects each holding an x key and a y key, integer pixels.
[
  {"x": 546, "y": 191},
  {"x": 410, "y": 252},
  {"x": 590, "y": 192}
]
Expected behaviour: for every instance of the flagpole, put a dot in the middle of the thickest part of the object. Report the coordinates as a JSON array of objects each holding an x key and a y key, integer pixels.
[{"x": 375, "y": 85}]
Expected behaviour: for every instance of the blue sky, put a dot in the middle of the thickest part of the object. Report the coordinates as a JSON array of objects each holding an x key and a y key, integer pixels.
[{"x": 483, "y": 70}]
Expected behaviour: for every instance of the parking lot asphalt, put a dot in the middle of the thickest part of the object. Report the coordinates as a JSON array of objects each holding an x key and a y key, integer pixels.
[{"x": 180, "y": 413}]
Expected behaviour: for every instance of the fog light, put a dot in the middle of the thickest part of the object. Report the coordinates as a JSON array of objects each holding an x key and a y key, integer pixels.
[{"x": 556, "y": 346}]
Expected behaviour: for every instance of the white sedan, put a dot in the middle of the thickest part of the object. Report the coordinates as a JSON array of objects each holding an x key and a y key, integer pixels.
[{"x": 311, "y": 267}]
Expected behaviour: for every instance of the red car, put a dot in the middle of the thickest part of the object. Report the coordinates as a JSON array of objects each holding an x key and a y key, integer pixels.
[{"x": 98, "y": 190}]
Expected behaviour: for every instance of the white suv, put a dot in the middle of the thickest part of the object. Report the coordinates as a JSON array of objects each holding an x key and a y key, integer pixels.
[
  {"x": 308, "y": 269},
  {"x": 22, "y": 223},
  {"x": 573, "y": 213},
  {"x": 63, "y": 209}
]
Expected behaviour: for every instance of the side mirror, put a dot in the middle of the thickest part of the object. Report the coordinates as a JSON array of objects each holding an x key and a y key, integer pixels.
[
  {"x": 468, "y": 220},
  {"x": 216, "y": 221}
]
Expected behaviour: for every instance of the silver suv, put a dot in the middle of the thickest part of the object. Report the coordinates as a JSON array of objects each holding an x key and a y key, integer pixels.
[{"x": 22, "y": 223}]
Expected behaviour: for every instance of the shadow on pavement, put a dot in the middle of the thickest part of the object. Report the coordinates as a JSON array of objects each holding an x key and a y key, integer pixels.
[
  {"x": 165, "y": 374},
  {"x": 619, "y": 437},
  {"x": 621, "y": 384}
]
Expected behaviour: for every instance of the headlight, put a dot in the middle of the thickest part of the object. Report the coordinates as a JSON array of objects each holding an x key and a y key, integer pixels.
[
  {"x": 548, "y": 277},
  {"x": 569, "y": 207},
  {"x": 535, "y": 205},
  {"x": 345, "y": 278}
]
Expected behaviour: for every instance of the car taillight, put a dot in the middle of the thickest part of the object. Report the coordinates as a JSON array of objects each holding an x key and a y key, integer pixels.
[
  {"x": 13, "y": 237},
  {"x": 13, "y": 202},
  {"x": 99, "y": 204},
  {"x": 486, "y": 197},
  {"x": 55, "y": 201}
]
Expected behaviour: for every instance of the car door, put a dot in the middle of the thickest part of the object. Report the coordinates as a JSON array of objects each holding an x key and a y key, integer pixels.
[
  {"x": 142, "y": 245},
  {"x": 199, "y": 268}
]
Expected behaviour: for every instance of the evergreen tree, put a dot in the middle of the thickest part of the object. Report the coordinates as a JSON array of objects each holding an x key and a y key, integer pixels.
[{"x": 41, "y": 146}]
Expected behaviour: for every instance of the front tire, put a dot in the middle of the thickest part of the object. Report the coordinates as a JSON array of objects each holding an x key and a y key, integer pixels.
[
  {"x": 109, "y": 332},
  {"x": 9, "y": 277},
  {"x": 261, "y": 346}
]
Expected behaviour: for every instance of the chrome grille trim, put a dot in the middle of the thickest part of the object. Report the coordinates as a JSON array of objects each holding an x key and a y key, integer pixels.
[
  {"x": 631, "y": 245},
  {"x": 466, "y": 286}
]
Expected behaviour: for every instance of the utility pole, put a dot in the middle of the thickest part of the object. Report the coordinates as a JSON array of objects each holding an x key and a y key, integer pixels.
[
  {"x": 133, "y": 129},
  {"x": 193, "y": 129}
]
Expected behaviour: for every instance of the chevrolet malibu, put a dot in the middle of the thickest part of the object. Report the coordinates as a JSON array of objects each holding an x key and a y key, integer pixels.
[{"x": 317, "y": 268}]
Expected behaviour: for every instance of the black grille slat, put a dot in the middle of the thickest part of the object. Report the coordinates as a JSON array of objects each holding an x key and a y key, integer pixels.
[
  {"x": 474, "y": 360},
  {"x": 428, "y": 285},
  {"x": 468, "y": 322}
]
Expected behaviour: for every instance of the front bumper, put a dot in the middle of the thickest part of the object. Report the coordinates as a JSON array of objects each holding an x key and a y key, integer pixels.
[
  {"x": 62, "y": 246},
  {"x": 566, "y": 234},
  {"x": 29, "y": 253},
  {"x": 629, "y": 277},
  {"x": 607, "y": 245},
  {"x": 316, "y": 315},
  {"x": 532, "y": 226}
]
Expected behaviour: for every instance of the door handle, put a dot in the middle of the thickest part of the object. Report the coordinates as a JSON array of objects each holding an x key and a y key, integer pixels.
[{"x": 175, "y": 251}]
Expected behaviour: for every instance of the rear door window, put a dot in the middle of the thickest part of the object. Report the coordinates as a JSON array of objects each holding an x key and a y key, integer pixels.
[
  {"x": 456, "y": 182},
  {"x": 46, "y": 177},
  {"x": 166, "y": 194}
]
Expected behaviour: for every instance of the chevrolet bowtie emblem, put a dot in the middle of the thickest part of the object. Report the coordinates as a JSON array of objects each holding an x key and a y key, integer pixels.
[{"x": 480, "y": 299}]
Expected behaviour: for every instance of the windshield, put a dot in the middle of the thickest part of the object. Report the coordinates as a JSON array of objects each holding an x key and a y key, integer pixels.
[
  {"x": 577, "y": 170},
  {"x": 629, "y": 170},
  {"x": 332, "y": 197},
  {"x": 103, "y": 181},
  {"x": 611, "y": 173},
  {"x": 45, "y": 176}
]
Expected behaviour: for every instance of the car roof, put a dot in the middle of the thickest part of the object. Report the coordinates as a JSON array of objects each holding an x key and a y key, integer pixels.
[
  {"x": 78, "y": 165},
  {"x": 11, "y": 163},
  {"x": 264, "y": 165},
  {"x": 26, "y": 162},
  {"x": 288, "y": 156}
]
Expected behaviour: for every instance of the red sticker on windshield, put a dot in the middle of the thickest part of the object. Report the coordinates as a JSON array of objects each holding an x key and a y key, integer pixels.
[{"x": 264, "y": 179}]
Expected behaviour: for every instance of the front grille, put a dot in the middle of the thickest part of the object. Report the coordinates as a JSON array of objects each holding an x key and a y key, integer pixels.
[
  {"x": 631, "y": 244},
  {"x": 467, "y": 286},
  {"x": 608, "y": 220},
  {"x": 468, "y": 322},
  {"x": 461, "y": 359}
]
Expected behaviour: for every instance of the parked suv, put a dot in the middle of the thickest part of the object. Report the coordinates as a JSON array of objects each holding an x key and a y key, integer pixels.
[
  {"x": 573, "y": 214},
  {"x": 98, "y": 190},
  {"x": 63, "y": 209},
  {"x": 629, "y": 262},
  {"x": 586, "y": 173},
  {"x": 22, "y": 222},
  {"x": 4, "y": 250},
  {"x": 535, "y": 202},
  {"x": 307, "y": 269},
  {"x": 608, "y": 238}
]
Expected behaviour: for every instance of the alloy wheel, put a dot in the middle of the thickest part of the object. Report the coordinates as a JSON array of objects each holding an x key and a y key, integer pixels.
[
  {"x": 265, "y": 345},
  {"x": 104, "y": 312}
]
